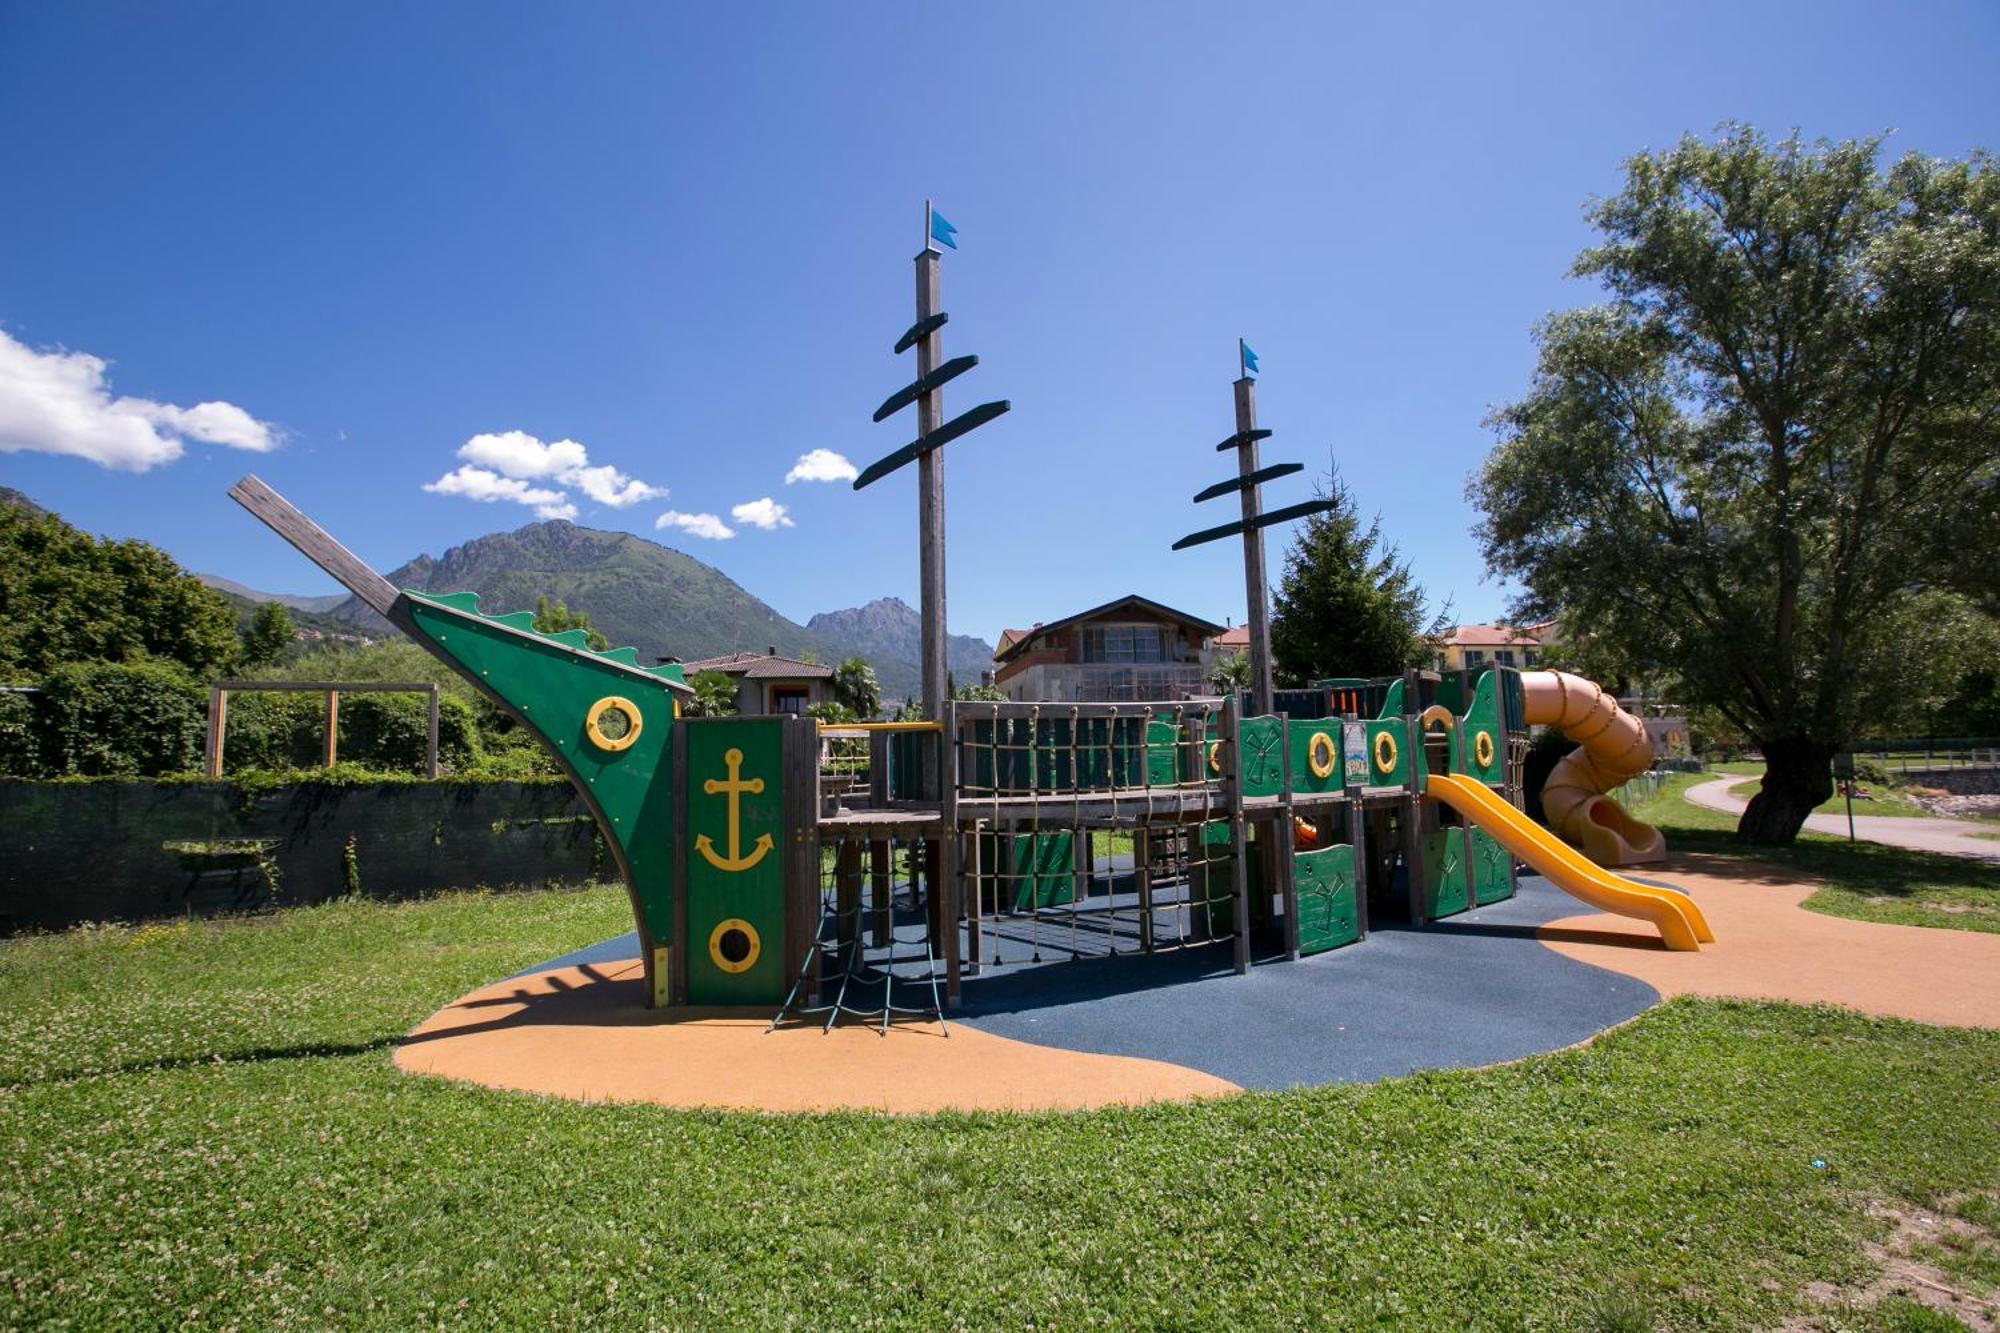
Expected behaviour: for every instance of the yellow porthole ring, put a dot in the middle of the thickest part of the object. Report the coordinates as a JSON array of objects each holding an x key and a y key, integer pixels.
[
  {"x": 1321, "y": 755},
  {"x": 722, "y": 931},
  {"x": 1215, "y": 756},
  {"x": 593, "y": 724},
  {"x": 1385, "y": 752},
  {"x": 1482, "y": 748}
]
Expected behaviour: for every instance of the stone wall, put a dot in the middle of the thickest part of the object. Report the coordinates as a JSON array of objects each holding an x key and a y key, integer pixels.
[{"x": 121, "y": 851}]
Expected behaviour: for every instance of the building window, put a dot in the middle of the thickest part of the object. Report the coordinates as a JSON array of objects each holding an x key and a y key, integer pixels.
[
  {"x": 1505, "y": 657},
  {"x": 1532, "y": 658},
  {"x": 1474, "y": 657},
  {"x": 789, "y": 699},
  {"x": 1123, "y": 643}
]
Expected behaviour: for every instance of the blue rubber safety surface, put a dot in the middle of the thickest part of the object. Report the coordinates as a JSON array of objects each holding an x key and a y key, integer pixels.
[{"x": 1475, "y": 989}]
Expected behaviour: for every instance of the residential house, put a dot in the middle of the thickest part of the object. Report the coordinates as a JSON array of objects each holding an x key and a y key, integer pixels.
[
  {"x": 1130, "y": 649},
  {"x": 1496, "y": 645},
  {"x": 767, "y": 684}
]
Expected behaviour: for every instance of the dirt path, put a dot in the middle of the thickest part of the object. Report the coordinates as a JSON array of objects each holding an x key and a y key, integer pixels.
[
  {"x": 1952, "y": 837},
  {"x": 1767, "y": 947}
]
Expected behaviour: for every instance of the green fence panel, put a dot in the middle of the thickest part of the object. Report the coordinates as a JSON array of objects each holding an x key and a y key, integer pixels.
[
  {"x": 1483, "y": 748},
  {"x": 1325, "y": 882},
  {"x": 1388, "y": 765},
  {"x": 1492, "y": 870},
  {"x": 1446, "y": 874},
  {"x": 1316, "y": 756},
  {"x": 1261, "y": 742}
]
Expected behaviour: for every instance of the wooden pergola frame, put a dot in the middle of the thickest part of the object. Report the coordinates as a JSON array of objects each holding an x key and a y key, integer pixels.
[{"x": 218, "y": 711}]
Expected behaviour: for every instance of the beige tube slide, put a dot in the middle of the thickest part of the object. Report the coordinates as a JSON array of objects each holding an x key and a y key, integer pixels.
[{"x": 1612, "y": 748}]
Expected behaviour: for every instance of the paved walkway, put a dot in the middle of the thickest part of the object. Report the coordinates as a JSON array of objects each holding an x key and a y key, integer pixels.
[{"x": 1953, "y": 837}]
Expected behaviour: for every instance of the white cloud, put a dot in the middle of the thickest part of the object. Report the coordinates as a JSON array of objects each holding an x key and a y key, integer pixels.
[
  {"x": 764, "y": 513},
  {"x": 500, "y": 466},
  {"x": 478, "y": 483},
  {"x": 519, "y": 455},
  {"x": 698, "y": 525},
  {"x": 608, "y": 486},
  {"x": 821, "y": 465},
  {"x": 57, "y": 402}
]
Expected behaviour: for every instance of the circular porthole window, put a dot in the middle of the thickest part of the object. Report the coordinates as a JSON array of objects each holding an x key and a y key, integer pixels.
[
  {"x": 1321, "y": 756},
  {"x": 1482, "y": 749},
  {"x": 733, "y": 945},
  {"x": 1385, "y": 752},
  {"x": 613, "y": 723}
]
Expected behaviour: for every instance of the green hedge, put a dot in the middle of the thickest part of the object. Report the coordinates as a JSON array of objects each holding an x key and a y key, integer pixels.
[
  {"x": 150, "y": 718},
  {"x": 129, "y": 719}
]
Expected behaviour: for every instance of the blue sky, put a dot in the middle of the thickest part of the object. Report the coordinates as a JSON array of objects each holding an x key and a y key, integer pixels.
[{"x": 681, "y": 237}]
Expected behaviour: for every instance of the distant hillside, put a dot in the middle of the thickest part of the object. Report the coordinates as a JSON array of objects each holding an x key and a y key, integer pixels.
[
  {"x": 291, "y": 600},
  {"x": 246, "y": 611},
  {"x": 889, "y": 629},
  {"x": 13, "y": 499},
  {"x": 638, "y": 592}
]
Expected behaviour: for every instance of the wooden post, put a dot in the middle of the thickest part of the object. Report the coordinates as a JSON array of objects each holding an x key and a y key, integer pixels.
[
  {"x": 1254, "y": 588},
  {"x": 930, "y": 494},
  {"x": 879, "y": 867},
  {"x": 1413, "y": 805},
  {"x": 1283, "y": 877},
  {"x": 333, "y": 728},
  {"x": 948, "y": 884},
  {"x": 1142, "y": 875},
  {"x": 218, "y": 721},
  {"x": 1357, "y": 831},
  {"x": 1239, "y": 833},
  {"x": 847, "y": 890}
]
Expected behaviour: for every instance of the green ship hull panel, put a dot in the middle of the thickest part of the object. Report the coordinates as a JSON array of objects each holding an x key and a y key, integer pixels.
[{"x": 551, "y": 686}]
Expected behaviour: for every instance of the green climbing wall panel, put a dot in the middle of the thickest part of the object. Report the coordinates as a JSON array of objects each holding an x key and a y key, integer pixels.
[
  {"x": 1325, "y": 883},
  {"x": 554, "y": 682},
  {"x": 736, "y": 861},
  {"x": 1446, "y": 874}
]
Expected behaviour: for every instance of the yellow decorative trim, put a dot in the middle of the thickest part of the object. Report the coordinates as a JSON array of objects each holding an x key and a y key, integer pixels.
[
  {"x": 1215, "y": 756},
  {"x": 1482, "y": 749},
  {"x": 663, "y": 960},
  {"x": 1322, "y": 755},
  {"x": 596, "y": 714},
  {"x": 715, "y": 945},
  {"x": 1385, "y": 752},
  {"x": 1437, "y": 713}
]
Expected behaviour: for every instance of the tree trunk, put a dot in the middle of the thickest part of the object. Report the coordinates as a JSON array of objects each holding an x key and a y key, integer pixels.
[{"x": 1798, "y": 775}]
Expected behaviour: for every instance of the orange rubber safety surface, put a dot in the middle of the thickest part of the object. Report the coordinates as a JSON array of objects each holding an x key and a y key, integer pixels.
[
  {"x": 585, "y": 1033},
  {"x": 1767, "y": 947}
]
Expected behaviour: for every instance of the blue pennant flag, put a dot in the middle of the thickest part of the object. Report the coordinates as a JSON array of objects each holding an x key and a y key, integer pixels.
[
  {"x": 1249, "y": 357},
  {"x": 942, "y": 231}
]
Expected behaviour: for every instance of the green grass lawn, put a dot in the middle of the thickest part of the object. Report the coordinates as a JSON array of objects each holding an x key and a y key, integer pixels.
[
  {"x": 1881, "y": 799},
  {"x": 202, "y": 1129},
  {"x": 1864, "y": 880}
]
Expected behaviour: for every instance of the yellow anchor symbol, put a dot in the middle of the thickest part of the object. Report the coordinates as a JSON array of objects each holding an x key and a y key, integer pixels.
[{"x": 734, "y": 787}]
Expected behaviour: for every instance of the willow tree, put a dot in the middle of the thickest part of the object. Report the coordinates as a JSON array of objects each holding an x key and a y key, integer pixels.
[{"x": 1767, "y": 464}]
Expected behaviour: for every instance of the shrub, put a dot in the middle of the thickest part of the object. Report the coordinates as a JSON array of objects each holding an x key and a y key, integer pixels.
[
  {"x": 124, "y": 719},
  {"x": 389, "y": 731}
]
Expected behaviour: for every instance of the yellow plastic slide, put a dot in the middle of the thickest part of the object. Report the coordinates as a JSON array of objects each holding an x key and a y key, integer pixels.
[{"x": 1672, "y": 912}]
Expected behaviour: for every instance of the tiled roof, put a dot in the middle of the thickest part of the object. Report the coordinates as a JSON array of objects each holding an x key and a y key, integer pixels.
[
  {"x": 1008, "y": 638},
  {"x": 1497, "y": 636},
  {"x": 1239, "y": 637},
  {"x": 761, "y": 666}
]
